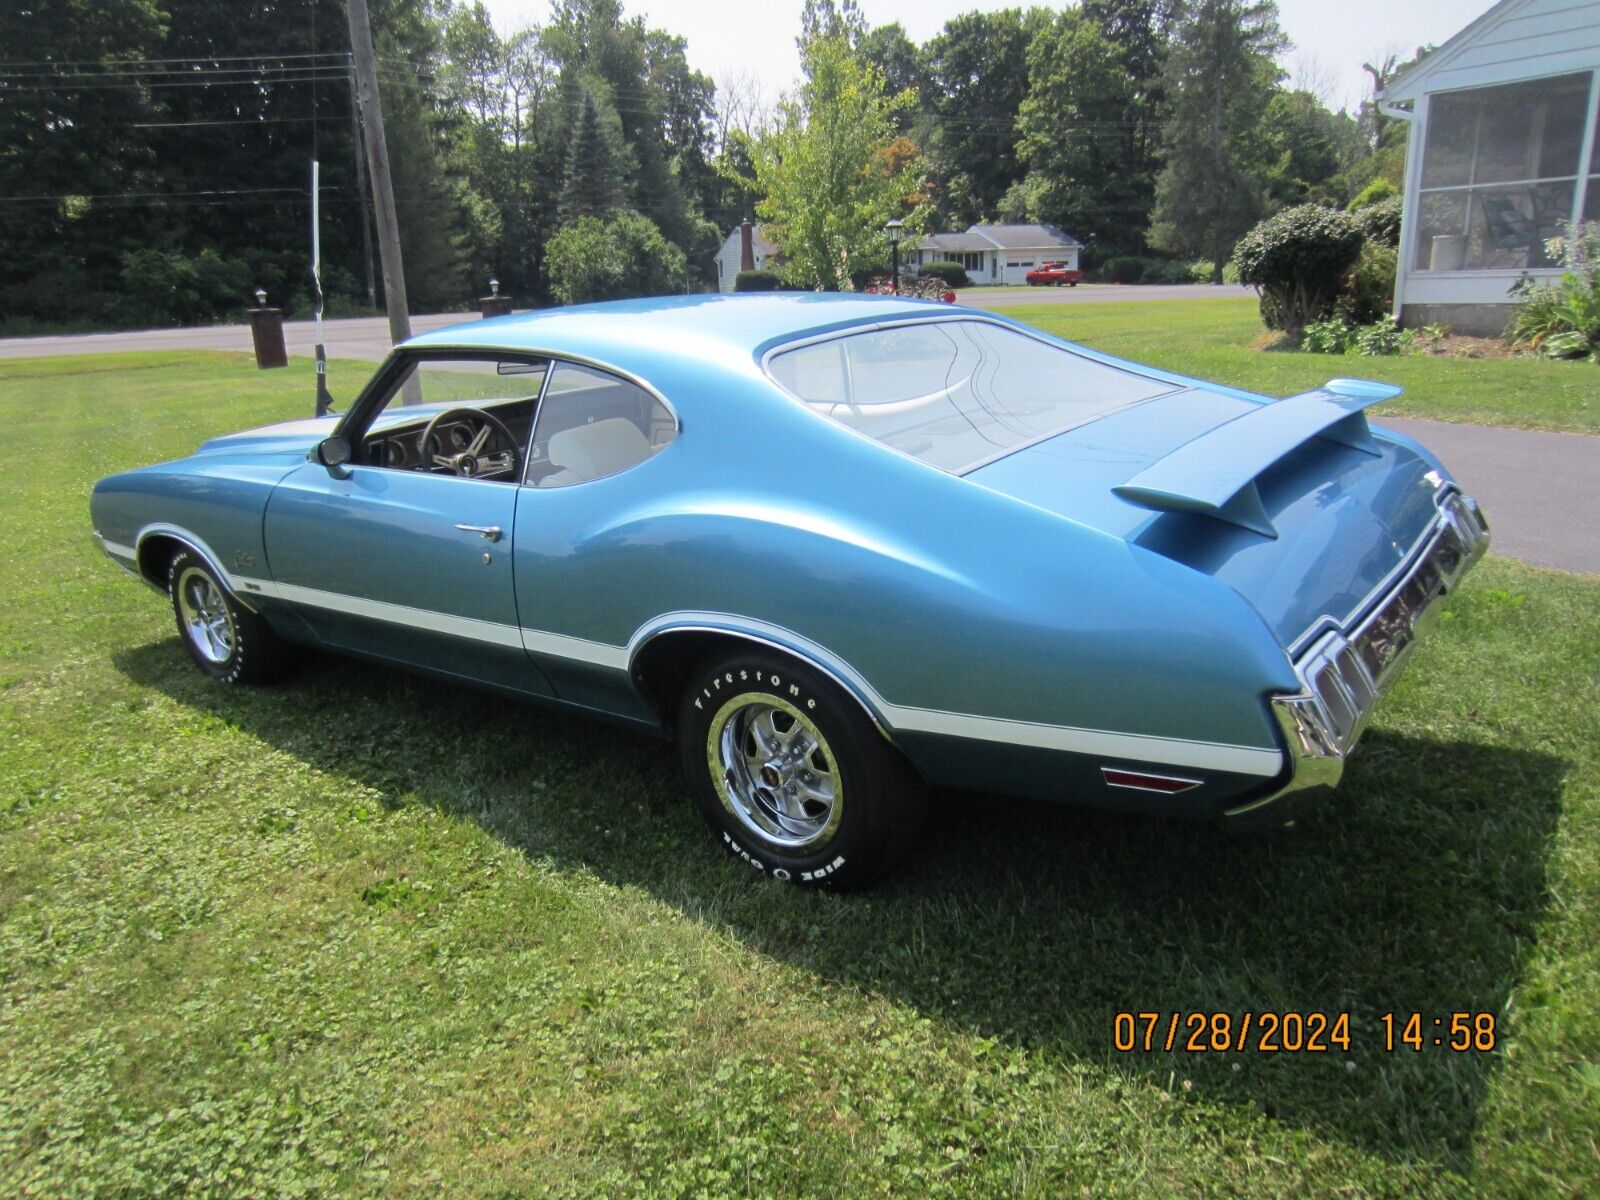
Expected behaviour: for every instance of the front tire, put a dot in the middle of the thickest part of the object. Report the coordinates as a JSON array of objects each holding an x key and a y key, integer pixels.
[
  {"x": 227, "y": 641},
  {"x": 792, "y": 776}
]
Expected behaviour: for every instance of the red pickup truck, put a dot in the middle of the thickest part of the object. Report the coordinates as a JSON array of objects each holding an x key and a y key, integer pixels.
[{"x": 1055, "y": 273}]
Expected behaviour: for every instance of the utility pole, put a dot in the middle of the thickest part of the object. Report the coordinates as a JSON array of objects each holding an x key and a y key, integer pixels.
[
  {"x": 359, "y": 142},
  {"x": 394, "y": 280}
]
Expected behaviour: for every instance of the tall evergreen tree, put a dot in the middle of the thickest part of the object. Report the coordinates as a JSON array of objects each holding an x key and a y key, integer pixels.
[
  {"x": 1221, "y": 73},
  {"x": 594, "y": 180}
]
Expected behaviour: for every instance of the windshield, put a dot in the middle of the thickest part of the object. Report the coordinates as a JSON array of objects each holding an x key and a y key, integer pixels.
[{"x": 955, "y": 393}]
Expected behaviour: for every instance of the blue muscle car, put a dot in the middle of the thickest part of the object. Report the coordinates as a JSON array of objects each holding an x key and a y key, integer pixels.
[{"x": 840, "y": 547}]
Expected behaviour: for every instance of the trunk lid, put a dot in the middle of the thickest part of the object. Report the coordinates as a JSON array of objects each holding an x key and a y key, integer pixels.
[{"x": 1293, "y": 504}]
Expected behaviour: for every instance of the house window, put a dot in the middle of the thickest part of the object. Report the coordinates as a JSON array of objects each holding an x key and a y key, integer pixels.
[{"x": 1499, "y": 173}]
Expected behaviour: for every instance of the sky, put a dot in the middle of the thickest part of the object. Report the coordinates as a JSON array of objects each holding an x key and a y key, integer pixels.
[{"x": 1332, "y": 38}]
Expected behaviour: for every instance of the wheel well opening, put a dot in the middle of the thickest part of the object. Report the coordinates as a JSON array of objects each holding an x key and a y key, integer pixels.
[
  {"x": 663, "y": 664},
  {"x": 155, "y": 556}
]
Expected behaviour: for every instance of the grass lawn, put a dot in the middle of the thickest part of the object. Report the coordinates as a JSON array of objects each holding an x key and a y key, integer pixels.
[
  {"x": 1212, "y": 339},
  {"x": 363, "y": 933}
]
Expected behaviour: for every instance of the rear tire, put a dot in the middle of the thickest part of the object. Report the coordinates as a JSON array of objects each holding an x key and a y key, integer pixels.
[
  {"x": 791, "y": 774},
  {"x": 227, "y": 641}
]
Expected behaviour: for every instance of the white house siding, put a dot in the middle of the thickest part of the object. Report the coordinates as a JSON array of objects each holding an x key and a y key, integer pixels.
[
  {"x": 1467, "y": 239},
  {"x": 728, "y": 256}
]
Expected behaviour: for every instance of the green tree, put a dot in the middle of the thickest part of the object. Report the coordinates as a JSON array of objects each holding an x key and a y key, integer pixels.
[
  {"x": 1307, "y": 149},
  {"x": 833, "y": 173},
  {"x": 596, "y": 172},
  {"x": 898, "y": 59},
  {"x": 977, "y": 80},
  {"x": 1139, "y": 29},
  {"x": 1072, "y": 138},
  {"x": 612, "y": 259},
  {"x": 1221, "y": 72}
]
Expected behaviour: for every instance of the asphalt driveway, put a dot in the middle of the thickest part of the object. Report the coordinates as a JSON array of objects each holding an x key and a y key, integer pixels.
[{"x": 1540, "y": 490}]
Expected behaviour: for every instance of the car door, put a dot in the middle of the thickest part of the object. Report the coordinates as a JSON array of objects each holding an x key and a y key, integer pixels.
[{"x": 403, "y": 563}]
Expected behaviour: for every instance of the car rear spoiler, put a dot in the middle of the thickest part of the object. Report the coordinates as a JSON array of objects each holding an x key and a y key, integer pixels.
[{"x": 1215, "y": 474}]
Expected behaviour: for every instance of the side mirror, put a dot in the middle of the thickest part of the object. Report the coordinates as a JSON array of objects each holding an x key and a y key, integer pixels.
[{"x": 333, "y": 453}]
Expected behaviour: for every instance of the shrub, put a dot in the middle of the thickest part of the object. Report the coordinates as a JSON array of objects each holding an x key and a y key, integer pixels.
[
  {"x": 1200, "y": 271},
  {"x": 759, "y": 280},
  {"x": 1299, "y": 259},
  {"x": 1123, "y": 269},
  {"x": 1334, "y": 335},
  {"x": 1330, "y": 336},
  {"x": 1166, "y": 270},
  {"x": 1380, "y": 221},
  {"x": 612, "y": 258},
  {"x": 1562, "y": 319},
  {"x": 1369, "y": 288},
  {"x": 952, "y": 273},
  {"x": 1381, "y": 339},
  {"x": 172, "y": 286},
  {"x": 1379, "y": 189}
]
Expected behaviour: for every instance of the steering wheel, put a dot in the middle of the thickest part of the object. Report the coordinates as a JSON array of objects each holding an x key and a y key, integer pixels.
[{"x": 472, "y": 461}]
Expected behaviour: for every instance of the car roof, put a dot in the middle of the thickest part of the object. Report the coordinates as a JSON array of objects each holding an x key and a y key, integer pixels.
[{"x": 643, "y": 336}]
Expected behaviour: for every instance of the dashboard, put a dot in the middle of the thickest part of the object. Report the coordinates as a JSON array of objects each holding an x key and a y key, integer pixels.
[{"x": 399, "y": 446}]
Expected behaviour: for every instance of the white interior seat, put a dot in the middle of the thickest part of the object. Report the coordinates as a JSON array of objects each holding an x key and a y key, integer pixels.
[{"x": 596, "y": 450}]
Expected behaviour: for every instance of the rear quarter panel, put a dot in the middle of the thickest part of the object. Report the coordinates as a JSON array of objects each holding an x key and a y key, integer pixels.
[{"x": 941, "y": 595}]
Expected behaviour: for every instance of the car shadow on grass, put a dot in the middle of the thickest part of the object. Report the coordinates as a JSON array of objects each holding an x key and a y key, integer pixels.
[{"x": 1419, "y": 890}]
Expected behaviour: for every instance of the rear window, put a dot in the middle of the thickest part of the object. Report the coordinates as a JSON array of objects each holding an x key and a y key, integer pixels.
[{"x": 955, "y": 393}]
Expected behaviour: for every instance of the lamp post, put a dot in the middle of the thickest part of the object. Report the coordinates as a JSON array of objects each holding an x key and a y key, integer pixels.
[{"x": 894, "y": 229}]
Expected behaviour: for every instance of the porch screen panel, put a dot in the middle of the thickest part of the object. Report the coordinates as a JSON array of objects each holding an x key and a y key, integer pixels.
[{"x": 1500, "y": 173}]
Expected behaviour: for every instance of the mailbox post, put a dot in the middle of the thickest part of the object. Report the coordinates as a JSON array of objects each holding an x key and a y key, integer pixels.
[{"x": 266, "y": 333}]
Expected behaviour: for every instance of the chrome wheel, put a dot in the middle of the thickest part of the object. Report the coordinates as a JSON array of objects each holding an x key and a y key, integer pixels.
[
  {"x": 774, "y": 771},
  {"x": 204, "y": 612}
]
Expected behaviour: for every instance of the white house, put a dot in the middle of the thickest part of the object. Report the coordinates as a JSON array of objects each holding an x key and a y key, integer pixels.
[
  {"x": 732, "y": 252},
  {"x": 997, "y": 253},
  {"x": 1504, "y": 147}
]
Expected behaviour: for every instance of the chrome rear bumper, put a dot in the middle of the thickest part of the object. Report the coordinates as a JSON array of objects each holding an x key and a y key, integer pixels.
[{"x": 1346, "y": 672}]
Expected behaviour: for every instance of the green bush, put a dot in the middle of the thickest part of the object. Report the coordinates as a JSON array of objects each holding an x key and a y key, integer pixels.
[
  {"x": 1369, "y": 288},
  {"x": 1123, "y": 269},
  {"x": 170, "y": 286},
  {"x": 1379, "y": 189},
  {"x": 1562, "y": 319},
  {"x": 953, "y": 273},
  {"x": 1165, "y": 270},
  {"x": 1329, "y": 336},
  {"x": 1334, "y": 335},
  {"x": 1200, "y": 271},
  {"x": 758, "y": 280},
  {"x": 1381, "y": 339},
  {"x": 1299, "y": 259},
  {"x": 1380, "y": 221},
  {"x": 612, "y": 258}
]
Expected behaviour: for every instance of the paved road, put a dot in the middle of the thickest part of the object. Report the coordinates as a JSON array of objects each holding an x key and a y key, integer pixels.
[
  {"x": 368, "y": 337},
  {"x": 1540, "y": 491},
  {"x": 348, "y": 337}
]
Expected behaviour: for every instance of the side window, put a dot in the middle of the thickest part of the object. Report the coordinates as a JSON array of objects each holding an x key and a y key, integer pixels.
[
  {"x": 468, "y": 416},
  {"x": 592, "y": 424}
]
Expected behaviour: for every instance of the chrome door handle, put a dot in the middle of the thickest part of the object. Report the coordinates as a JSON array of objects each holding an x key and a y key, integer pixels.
[{"x": 490, "y": 533}]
